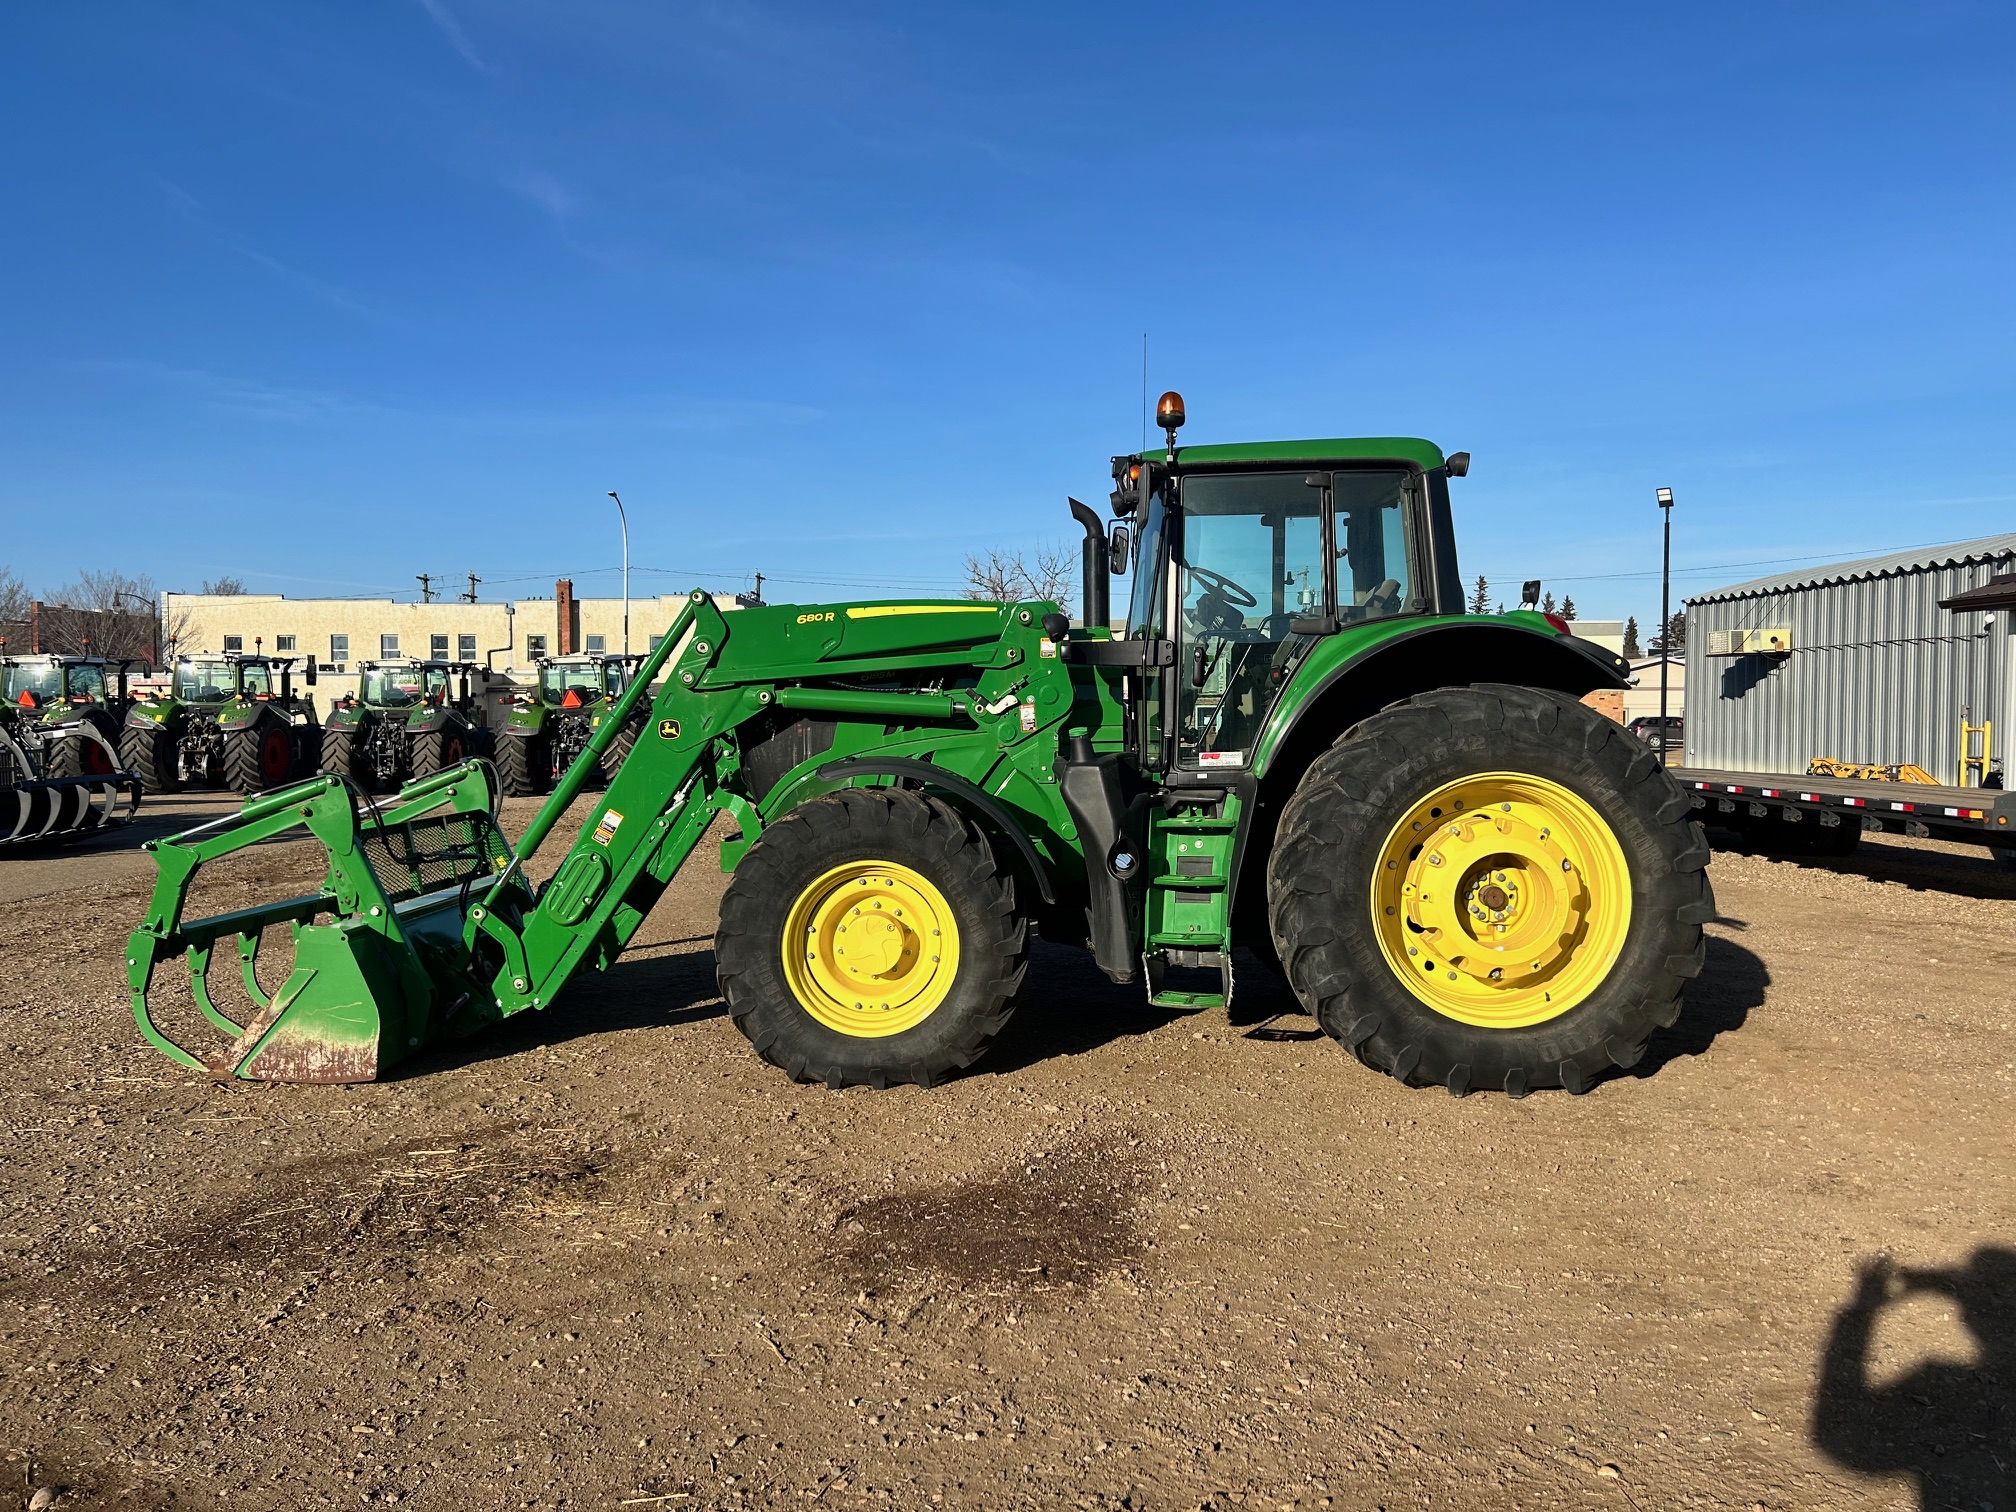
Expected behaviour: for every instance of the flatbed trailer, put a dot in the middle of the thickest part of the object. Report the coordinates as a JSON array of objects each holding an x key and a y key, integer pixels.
[{"x": 1755, "y": 800}]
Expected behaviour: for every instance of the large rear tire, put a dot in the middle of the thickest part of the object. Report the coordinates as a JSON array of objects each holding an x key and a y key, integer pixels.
[
  {"x": 339, "y": 754},
  {"x": 437, "y": 750},
  {"x": 524, "y": 769},
  {"x": 259, "y": 758},
  {"x": 870, "y": 938},
  {"x": 1529, "y": 859},
  {"x": 619, "y": 751},
  {"x": 90, "y": 750},
  {"x": 149, "y": 752}
]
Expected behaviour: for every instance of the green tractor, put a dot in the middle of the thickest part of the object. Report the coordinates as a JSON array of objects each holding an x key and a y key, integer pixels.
[
  {"x": 225, "y": 720},
  {"x": 1297, "y": 742},
  {"x": 60, "y": 770},
  {"x": 408, "y": 719},
  {"x": 551, "y": 726},
  {"x": 69, "y": 708}
]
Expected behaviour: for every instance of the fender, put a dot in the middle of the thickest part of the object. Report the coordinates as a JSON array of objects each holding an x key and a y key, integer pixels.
[
  {"x": 967, "y": 792},
  {"x": 1352, "y": 681},
  {"x": 147, "y": 716}
]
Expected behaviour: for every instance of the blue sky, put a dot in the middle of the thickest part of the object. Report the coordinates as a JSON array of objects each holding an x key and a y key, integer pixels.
[{"x": 328, "y": 294}]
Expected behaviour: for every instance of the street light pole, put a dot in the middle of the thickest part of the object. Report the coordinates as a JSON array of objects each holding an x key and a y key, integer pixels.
[
  {"x": 1665, "y": 497},
  {"x": 626, "y": 570}
]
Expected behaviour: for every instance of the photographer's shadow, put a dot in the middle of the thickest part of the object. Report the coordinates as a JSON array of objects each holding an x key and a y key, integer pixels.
[{"x": 1951, "y": 1426}]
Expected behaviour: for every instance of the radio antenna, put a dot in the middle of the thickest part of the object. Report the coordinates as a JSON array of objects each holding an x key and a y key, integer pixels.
[{"x": 1144, "y": 391}]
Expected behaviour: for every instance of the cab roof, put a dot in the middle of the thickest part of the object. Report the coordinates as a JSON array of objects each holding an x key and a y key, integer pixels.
[{"x": 1409, "y": 449}]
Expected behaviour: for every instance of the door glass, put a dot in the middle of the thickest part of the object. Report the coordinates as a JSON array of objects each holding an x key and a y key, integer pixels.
[
  {"x": 1373, "y": 577},
  {"x": 1249, "y": 561},
  {"x": 1144, "y": 622},
  {"x": 256, "y": 679}
]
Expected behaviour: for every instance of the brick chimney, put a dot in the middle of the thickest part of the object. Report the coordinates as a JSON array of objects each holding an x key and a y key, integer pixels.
[{"x": 566, "y": 615}]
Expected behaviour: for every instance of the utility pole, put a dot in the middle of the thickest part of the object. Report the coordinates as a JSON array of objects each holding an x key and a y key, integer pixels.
[
  {"x": 759, "y": 587},
  {"x": 470, "y": 596},
  {"x": 426, "y": 586},
  {"x": 626, "y": 570},
  {"x": 1665, "y": 497}
]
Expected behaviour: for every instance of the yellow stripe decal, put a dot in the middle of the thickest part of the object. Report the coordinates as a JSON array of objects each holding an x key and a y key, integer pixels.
[{"x": 884, "y": 611}]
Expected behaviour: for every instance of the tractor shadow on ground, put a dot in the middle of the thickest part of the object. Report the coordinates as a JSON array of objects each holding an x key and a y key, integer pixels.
[
  {"x": 1068, "y": 1007},
  {"x": 1718, "y": 1002},
  {"x": 1948, "y": 1424},
  {"x": 654, "y": 987}
]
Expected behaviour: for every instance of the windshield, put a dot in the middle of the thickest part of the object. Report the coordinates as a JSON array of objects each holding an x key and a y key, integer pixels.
[
  {"x": 556, "y": 682},
  {"x": 395, "y": 687},
  {"x": 1144, "y": 606},
  {"x": 34, "y": 685},
  {"x": 88, "y": 681},
  {"x": 205, "y": 680}
]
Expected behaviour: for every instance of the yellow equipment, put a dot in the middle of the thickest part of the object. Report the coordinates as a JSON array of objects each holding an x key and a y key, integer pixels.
[{"x": 1869, "y": 771}]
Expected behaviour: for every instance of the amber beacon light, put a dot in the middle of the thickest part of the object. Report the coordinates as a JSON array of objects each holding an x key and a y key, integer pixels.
[{"x": 1169, "y": 415}]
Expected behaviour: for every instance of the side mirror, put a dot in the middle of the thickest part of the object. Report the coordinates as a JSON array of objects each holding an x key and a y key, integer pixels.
[
  {"x": 308, "y": 672},
  {"x": 1529, "y": 594},
  {"x": 1116, "y": 550}
]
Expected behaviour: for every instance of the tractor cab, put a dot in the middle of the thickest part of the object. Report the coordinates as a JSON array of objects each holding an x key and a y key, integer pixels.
[
  {"x": 574, "y": 682},
  {"x": 50, "y": 682},
  {"x": 1244, "y": 558},
  {"x": 212, "y": 681}
]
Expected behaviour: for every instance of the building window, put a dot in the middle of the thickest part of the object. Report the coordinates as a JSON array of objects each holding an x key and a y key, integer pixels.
[
  {"x": 465, "y": 648},
  {"x": 283, "y": 643},
  {"x": 339, "y": 649},
  {"x": 388, "y": 646},
  {"x": 535, "y": 647},
  {"x": 598, "y": 643},
  {"x": 437, "y": 647},
  {"x": 234, "y": 643}
]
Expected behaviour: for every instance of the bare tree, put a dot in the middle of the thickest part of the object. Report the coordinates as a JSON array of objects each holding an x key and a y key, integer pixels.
[
  {"x": 14, "y": 598},
  {"x": 1007, "y": 576},
  {"x": 107, "y": 613},
  {"x": 225, "y": 587}
]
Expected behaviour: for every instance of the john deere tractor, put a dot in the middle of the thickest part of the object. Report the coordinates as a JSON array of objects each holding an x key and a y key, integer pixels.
[
  {"x": 408, "y": 719},
  {"x": 226, "y": 720},
  {"x": 1296, "y": 741},
  {"x": 551, "y": 726}
]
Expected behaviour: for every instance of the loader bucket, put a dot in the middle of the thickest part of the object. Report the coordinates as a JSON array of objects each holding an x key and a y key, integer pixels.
[
  {"x": 383, "y": 957},
  {"x": 35, "y": 807}
]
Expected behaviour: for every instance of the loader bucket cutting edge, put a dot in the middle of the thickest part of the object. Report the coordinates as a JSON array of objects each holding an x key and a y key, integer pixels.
[{"x": 379, "y": 968}]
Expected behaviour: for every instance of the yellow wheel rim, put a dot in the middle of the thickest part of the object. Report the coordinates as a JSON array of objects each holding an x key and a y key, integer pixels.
[
  {"x": 1502, "y": 900},
  {"x": 871, "y": 949}
]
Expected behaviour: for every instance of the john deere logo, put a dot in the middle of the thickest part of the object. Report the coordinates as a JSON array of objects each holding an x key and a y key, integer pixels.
[{"x": 668, "y": 729}]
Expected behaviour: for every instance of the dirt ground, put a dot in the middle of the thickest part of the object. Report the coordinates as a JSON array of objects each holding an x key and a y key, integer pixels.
[{"x": 604, "y": 1257}]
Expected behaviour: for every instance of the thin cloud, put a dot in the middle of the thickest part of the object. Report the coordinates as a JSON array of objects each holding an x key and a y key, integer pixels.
[
  {"x": 251, "y": 397},
  {"x": 458, "y": 39},
  {"x": 547, "y": 192},
  {"x": 191, "y": 209}
]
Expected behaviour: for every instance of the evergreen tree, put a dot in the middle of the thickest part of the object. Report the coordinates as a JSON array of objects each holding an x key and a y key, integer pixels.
[
  {"x": 1567, "y": 608},
  {"x": 1676, "y": 632},
  {"x": 1480, "y": 596},
  {"x": 1631, "y": 638},
  {"x": 1547, "y": 603}
]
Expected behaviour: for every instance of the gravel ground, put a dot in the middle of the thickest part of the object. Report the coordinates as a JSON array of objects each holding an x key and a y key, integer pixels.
[{"x": 605, "y": 1257}]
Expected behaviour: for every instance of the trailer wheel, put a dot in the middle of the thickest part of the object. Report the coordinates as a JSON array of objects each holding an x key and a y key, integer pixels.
[
  {"x": 1490, "y": 887},
  {"x": 870, "y": 937},
  {"x": 524, "y": 769},
  {"x": 149, "y": 752}
]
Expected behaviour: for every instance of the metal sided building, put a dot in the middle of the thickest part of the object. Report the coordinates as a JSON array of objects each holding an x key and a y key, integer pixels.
[{"x": 1879, "y": 660}]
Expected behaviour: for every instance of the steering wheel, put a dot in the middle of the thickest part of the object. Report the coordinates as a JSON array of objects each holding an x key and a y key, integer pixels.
[{"x": 1219, "y": 586}]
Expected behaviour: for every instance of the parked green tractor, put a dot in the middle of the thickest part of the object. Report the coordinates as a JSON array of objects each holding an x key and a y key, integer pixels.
[
  {"x": 1299, "y": 742},
  {"x": 60, "y": 768},
  {"x": 551, "y": 726},
  {"x": 225, "y": 720},
  {"x": 408, "y": 719}
]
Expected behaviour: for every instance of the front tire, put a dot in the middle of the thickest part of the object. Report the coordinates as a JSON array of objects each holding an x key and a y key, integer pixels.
[
  {"x": 870, "y": 937},
  {"x": 1533, "y": 861}
]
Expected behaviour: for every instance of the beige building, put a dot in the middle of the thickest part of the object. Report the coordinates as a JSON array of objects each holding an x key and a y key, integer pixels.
[
  {"x": 1642, "y": 697},
  {"x": 509, "y": 637},
  {"x": 1609, "y": 634}
]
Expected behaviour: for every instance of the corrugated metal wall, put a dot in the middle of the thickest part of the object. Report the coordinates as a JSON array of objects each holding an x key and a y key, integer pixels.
[{"x": 1878, "y": 672}]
